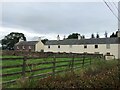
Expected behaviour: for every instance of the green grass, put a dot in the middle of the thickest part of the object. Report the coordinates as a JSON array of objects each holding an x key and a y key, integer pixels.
[
  {"x": 11, "y": 56},
  {"x": 33, "y": 61}
]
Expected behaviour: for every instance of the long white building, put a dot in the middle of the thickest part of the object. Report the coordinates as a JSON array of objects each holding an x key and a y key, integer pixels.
[{"x": 105, "y": 46}]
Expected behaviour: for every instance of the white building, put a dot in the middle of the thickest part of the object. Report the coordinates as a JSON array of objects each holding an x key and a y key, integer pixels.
[
  {"x": 105, "y": 46},
  {"x": 33, "y": 46}
]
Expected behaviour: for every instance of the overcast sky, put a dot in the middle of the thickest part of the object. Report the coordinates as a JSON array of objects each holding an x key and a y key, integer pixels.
[{"x": 48, "y": 19}]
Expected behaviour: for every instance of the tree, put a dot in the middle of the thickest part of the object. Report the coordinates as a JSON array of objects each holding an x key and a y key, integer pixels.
[
  {"x": 92, "y": 35},
  {"x": 73, "y": 36},
  {"x": 114, "y": 34},
  {"x": 11, "y": 39},
  {"x": 44, "y": 41}
]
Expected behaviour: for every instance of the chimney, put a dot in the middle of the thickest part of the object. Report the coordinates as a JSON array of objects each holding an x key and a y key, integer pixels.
[
  {"x": 58, "y": 37},
  {"x": 39, "y": 39},
  {"x": 79, "y": 37},
  {"x": 64, "y": 37},
  {"x": 118, "y": 34}
]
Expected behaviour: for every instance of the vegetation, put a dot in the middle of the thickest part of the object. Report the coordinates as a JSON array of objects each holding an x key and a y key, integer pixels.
[
  {"x": 44, "y": 41},
  {"x": 114, "y": 34},
  {"x": 11, "y": 39},
  {"x": 34, "y": 61},
  {"x": 101, "y": 74},
  {"x": 75, "y": 36}
]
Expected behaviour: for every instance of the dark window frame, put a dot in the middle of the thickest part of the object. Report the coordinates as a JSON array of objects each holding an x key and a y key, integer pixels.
[
  {"x": 108, "y": 53},
  {"x": 85, "y": 46},
  {"x": 48, "y": 46},
  {"x": 96, "y": 46},
  {"x": 58, "y": 46}
]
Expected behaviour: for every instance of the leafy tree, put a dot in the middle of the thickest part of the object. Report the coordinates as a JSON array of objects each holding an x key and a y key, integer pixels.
[
  {"x": 92, "y": 35},
  {"x": 44, "y": 41},
  {"x": 73, "y": 36},
  {"x": 114, "y": 34},
  {"x": 11, "y": 39}
]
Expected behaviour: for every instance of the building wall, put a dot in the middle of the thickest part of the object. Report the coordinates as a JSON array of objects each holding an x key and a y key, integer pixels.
[
  {"x": 119, "y": 51},
  {"x": 26, "y": 48},
  {"x": 39, "y": 46},
  {"x": 80, "y": 49}
]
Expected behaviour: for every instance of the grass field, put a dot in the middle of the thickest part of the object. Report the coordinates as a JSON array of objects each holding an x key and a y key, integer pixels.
[
  {"x": 33, "y": 61},
  {"x": 100, "y": 73}
]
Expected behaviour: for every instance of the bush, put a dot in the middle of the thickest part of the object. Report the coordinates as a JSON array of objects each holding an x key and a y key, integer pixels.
[{"x": 100, "y": 75}]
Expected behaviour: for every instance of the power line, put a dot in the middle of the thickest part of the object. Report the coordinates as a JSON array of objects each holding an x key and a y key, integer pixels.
[
  {"x": 111, "y": 10},
  {"x": 116, "y": 7}
]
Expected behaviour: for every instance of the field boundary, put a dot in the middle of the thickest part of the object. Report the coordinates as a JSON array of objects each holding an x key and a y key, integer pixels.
[{"x": 72, "y": 64}]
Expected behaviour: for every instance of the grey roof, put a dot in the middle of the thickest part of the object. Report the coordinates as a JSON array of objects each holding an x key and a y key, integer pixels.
[
  {"x": 27, "y": 43},
  {"x": 84, "y": 41}
]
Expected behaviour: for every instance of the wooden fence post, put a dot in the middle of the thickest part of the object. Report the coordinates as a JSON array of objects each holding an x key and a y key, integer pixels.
[
  {"x": 72, "y": 64},
  {"x": 24, "y": 66},
  {"x": 54, "y": 62},
  {"x": 83, "y": 60},
  {"x": 118, "y": 70},
  {"x": 90, "y": 60}
]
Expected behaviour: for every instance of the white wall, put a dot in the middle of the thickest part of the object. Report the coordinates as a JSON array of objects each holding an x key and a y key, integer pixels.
[
  {"x": 80, "y": 49},
  {"x": 39, "y": 46},
  {"x": 119, "y": 51}
]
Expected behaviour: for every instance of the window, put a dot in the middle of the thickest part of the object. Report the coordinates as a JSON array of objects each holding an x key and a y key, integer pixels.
[
  {"x": 23, "y": 47},
  {"x": 29, "y": 47},
  {"x": 85, "y": 46},
  {"x": 108, "y": 46},
  {"x": 108, "y": 53},
  {"x": 58, "y": 46},
  {"x": 96, "y": 46},
  {"x": 17, "y": 47},
  {"x": 49, "y": 46}
]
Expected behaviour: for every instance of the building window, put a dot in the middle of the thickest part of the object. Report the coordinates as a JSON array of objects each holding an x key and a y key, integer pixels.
[
  {"x": 29, "y": 47},
  {"x": 70, "y": 46},
  {"x": 96, "y": 46},
  {"x": 58, "y": 46},
  {"x": 108, "y": 53},
  {"x": 49, "y": 46},
  {"x": 85, "y": 46},
  {"x": 17, "y": 47},
  {"x": 108, "y": 46},
  {"x": 23, "y": 47}
]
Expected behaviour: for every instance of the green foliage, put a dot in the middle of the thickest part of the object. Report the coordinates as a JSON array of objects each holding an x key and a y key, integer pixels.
[
  {"x": 44, "y": 41},
  {"x": 101, "y": 75},
  {"x": 114, "y": 34},
  {"x": 73, "y": 36},
  {"x": 11, "y": 39},
  {"x": 26, "y": 83}
]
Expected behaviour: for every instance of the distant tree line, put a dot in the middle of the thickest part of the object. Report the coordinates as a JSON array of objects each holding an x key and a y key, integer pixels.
[{"x": 114, "y": 34}]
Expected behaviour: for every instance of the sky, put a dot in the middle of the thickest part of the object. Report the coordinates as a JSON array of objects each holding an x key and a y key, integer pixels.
[{"x": 48, "y": 19}]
